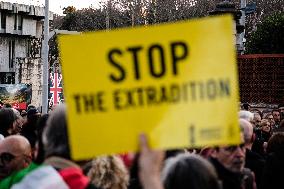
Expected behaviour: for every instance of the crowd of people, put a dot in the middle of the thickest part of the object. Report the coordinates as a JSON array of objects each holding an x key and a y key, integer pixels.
[{"x": 35, "y": 153}]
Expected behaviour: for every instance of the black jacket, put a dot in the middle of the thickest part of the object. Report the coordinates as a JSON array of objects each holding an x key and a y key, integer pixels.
[
  {"x": 231, "y": 180},
  {"x": 273, "y": 171},
  {"x": 255, "y": 162}
]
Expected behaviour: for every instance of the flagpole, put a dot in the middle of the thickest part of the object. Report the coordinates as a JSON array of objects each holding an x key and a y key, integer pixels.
[{"x": 44, "y": 55}]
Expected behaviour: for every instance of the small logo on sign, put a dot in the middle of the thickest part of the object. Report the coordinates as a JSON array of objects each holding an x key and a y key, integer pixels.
[{"x": 192, "y": 135}]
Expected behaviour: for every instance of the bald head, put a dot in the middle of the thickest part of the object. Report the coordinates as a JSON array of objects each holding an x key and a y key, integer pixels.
[
  {"x": 16, "y": 144},
  {"x": 15, "y": 152},
  {"x": 247, "y": 130}
]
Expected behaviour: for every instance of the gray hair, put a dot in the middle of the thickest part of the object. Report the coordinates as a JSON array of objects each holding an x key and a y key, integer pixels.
[
  {"x": 55, "y": 137},
  {"x": 247, "y": 129},
  {"x": 243, "y": 114}
]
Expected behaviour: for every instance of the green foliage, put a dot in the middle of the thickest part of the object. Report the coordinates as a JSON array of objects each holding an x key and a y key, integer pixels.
[{"x": 269, "y": 36}]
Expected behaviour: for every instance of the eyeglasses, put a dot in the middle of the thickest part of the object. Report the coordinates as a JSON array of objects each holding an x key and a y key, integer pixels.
[
  {"x": 234, "y": 147},
  {"x": 6, "y": 157}
]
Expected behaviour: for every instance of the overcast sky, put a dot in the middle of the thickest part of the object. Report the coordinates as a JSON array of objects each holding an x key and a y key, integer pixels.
[{"x": 57, "y": 5}]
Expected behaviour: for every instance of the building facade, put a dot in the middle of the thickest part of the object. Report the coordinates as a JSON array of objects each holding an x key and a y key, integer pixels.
[{"x": 20, "y": 46}]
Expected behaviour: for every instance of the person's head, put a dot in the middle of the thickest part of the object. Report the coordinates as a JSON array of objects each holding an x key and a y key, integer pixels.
[
  {"x": 33, "y": 115},
  {"x": 281, "y": 124},
  {"x": 256, "y": 119},
  {"x": 247, "y": 131},
  {"x": 7, "y": 105},
  {"x": 243, "y": 114},
  {"x": 269, "y": 117},
  {"x": 30, "y": 106},
  {"x": 54, "y": 137},
  {"x": 189, "y": 171},
  {"x": 232, "y": 157},
  {"x": 256, "y": 111},
  {"x": 7, "y": 118},
  {"x": 265, "y": 126},
  {"x": 276, "y": 143},
  {"x": 206, "y": 152},
  {"x": 24, "y": 115},
  {"x": 281, "y": 110},
  {"x": 15, "y": 154},
  {"x": 109, "y": 172},
  {"x": 39, "y": 151},
  {"x": 276, "y": 115},
  {"x": 246, "y": 106},
  {"x": 17, "y": 124}
]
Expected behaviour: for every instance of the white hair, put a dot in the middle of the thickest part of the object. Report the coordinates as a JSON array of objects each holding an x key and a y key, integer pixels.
[
  {"x": 247, "y": 128},
  {"x": 243, "y": 114}
]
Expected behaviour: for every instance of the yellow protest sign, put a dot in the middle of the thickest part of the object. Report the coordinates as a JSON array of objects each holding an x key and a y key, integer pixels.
[{"x": 175, "y": 82}]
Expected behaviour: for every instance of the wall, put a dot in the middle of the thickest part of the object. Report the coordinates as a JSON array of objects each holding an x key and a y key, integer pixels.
[
  {"x": 29, "y": 26},
  {"x": 29, "y": 70},
  {"x": 20, "y": 51},
  {"x": 4, "y": 54},
  {"x": 10, "y": 23},
  {"x": 28, "y": 66}
]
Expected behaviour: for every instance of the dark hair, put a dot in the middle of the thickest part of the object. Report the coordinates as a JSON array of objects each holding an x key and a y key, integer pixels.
[
  {"x": 23, "y": 113},
  {"x": 31, "y": 112},
  {"x": 280, "y": 105},
  {"x": 30, "y": 106},
  {"x": 7, "y": 117},
  {"x": 281, "y": 124},
  {"x": 275, "y": 110},
  {"x": 41, "y": 123},
  {"x": 189, "y": 171},
  {"x": 246, "y": 106},
  {"x": 7, "y": 105},
  {"x": 276, "y": 143},
  {"x": 134, "y": 182}
]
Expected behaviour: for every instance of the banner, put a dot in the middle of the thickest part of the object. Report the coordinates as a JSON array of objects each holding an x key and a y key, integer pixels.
[
  {"x": 18, "y": 95},
  {"x": 175, "y": 82}
]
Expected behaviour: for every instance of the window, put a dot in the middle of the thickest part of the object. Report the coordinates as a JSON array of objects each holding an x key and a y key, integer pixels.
[
  {"x": 20, "y": 22},
  {"x": 28, "y": 48},
  {"x": 11, "y": 53},
  {"x": 3, "y": 20},
  {"x": 7, "y": 78},
  {"x": 15, "y": 21}
]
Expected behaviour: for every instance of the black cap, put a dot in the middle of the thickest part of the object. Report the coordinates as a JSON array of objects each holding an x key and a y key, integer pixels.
[
  {"x": 32, "y": 112},
  {"x": 30, "y": 106}
]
